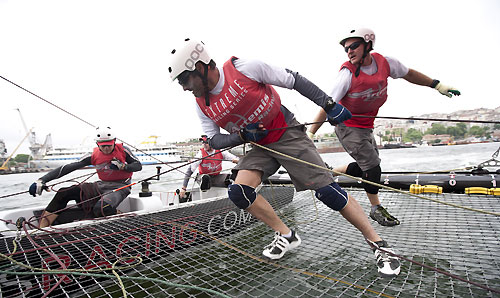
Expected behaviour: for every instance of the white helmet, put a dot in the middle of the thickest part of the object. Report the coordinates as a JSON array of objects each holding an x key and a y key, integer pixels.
[
  {"x": 104, "y": 136},
  {"x": 186, "y": 57},
  {"x": 366, "y": 34}
]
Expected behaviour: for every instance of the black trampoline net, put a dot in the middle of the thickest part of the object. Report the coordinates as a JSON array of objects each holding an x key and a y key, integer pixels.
[{"x": 215, "y": 249}]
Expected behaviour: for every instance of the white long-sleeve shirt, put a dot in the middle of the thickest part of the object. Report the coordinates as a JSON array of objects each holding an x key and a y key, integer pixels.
[{"x": 342, "y": 82}]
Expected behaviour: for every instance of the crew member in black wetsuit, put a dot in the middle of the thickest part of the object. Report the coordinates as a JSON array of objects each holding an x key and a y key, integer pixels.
[{"x": 114, "y": 165}]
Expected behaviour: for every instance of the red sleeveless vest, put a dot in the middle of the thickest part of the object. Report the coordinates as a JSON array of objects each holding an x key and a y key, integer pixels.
[
  {"x": 211, "y": 165},
  {"x": 367, "y": 93},
  {"x": 243, "y": 101},
  {"x": 102, "y": 161}
]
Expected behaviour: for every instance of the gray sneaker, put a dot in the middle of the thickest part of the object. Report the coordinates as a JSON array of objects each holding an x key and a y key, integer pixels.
[{"x": 383, "y": 217}]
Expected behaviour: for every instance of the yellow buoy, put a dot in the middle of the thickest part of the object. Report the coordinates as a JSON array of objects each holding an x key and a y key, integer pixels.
[
  {"x": 494, "y": 191},
  {"x": 416, "y": 189},
  {"x": 433, "y": 189},
  {"x": 477, "y": 190}
]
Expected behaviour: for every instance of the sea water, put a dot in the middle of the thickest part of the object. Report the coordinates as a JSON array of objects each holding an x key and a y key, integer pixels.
[{"x": 421, "y": 159}]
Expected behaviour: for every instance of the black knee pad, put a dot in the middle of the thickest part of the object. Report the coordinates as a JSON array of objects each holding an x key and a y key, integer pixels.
[
  {"x": 353, "y": 169},
  {"x": 103, "y": 209},
  {"x": 372, "y": 175},
  {"x": 206, "y": 182},
  {"x": 242, "y": 195},
  {"x": 332, "y": 196}
]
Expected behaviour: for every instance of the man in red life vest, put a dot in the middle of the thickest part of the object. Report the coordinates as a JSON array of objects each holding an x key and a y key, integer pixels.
[
  {"x": 209, "y": 168},
  {"x": 361, "y": 86},
  {"x": 239, "y": 97},
  {"x": 114, "y": 164}
]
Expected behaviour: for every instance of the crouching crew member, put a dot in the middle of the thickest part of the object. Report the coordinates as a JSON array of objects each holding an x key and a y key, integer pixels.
[{"x": 114, "y": 164}]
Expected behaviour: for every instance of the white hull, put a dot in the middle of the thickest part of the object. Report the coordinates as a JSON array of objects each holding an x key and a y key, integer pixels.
[
  {"x": 150, "y": 155},
  {"x": 133, "y": 204}
]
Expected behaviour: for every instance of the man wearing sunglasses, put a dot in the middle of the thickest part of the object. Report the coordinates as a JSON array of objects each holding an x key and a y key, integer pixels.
[
  {"x": 240, "y": 98},
  {"x": 361, "y": 86},
  {"x": 114, "y": 164}
]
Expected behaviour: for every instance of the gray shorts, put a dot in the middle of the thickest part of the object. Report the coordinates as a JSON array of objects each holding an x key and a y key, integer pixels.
[
  {"x": 360, "y": 144},
  {"x": 114, "y": 198},
  {"x": 294, "y": 142}
]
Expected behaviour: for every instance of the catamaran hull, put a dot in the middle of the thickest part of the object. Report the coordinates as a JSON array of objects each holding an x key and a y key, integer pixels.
[
  {"x": 456, "y": 183},
  {"x": 450, "y": 182}
]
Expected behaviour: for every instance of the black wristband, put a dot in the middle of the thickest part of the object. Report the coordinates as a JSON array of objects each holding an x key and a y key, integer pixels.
[
  {"x": 329, "y": 104},
  {"x": 434, "y": 83}
]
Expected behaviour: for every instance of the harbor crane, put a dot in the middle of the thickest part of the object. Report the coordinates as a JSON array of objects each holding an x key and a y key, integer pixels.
[
  {"x": 4, "y": 166},
  {"x": 37, "y": 150}
]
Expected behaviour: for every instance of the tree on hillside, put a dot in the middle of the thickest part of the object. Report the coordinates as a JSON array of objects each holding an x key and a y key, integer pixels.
[
  {"x": 462, "y": 129},
  {"x": 22, "y": 158},
  {"x": 452, "y": 130},
  {"x": 478, "y": 131},
  {"x": 436, "y": 129},
  {"x": 413, "y": 135}
]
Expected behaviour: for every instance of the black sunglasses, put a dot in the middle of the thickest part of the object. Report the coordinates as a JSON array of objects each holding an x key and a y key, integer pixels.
[
  {"x": 183, "y": 78},
  {"x": 353, "y": 46}
]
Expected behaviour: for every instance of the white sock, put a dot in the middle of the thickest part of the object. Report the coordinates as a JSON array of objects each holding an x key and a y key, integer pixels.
[
  {"x": 375, "y": 207},
  {"x": 288, "y": 235}
]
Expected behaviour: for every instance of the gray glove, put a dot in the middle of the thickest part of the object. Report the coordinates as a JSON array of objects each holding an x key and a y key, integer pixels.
[{"x": 116, "y": 164}]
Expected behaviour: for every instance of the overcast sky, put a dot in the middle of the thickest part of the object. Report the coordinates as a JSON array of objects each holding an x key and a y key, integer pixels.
[{"x": 106, "y": 61}]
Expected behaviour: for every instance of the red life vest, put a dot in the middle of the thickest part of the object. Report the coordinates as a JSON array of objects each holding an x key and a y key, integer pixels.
[
  {"x": 243, "y": 101},
  {"x": 102, "y": 161},
  {"x": 367, "y": 93},
  {"x": 211, "y": 165}
]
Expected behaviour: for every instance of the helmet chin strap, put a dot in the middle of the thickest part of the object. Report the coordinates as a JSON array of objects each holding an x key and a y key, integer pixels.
[
  {"x": 204, "y": 79},
  {"x": 205, "y": 83},
  {"x": 365, "y": 53}
]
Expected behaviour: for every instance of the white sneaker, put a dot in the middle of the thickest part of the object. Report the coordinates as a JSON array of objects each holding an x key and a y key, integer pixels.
[
  {"x": 388, "y": 265},
  {"x": 280, "y": 245}
]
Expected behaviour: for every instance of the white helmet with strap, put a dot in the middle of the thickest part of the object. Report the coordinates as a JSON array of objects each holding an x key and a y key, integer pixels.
[
  {"x": 364, "y": 33},
  {"x": 185, "y": 57},
  {"x": 104, "y": 134}
]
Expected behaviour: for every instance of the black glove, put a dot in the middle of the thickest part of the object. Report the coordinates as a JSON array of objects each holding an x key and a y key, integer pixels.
[
  {"x": 253, "y": 132},
  {"x": 37, "y": 187},
  {"x": 117, "y": 165}
]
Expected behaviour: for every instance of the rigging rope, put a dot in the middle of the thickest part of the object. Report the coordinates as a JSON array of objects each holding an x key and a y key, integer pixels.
[
  {"x": 376, "y": 184},
  {"x": 147, "y": 279},
  {"x": 221, "y": 242},
  {"x": 429, "y": 119},
  {"x": 49, "y": 186},
  {"x": 84, "y": 121},
  {"x": 140, "y": 181},
  {"x": 255, "y": 144}
]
